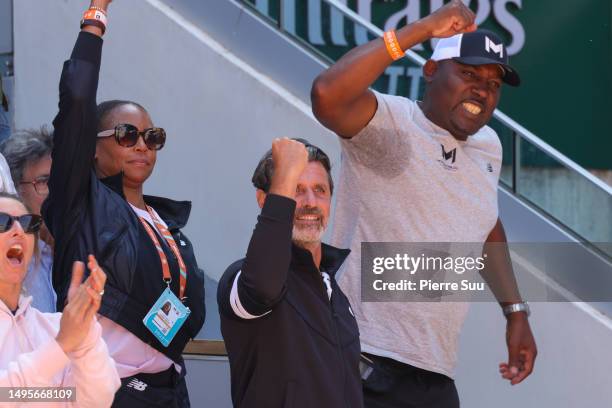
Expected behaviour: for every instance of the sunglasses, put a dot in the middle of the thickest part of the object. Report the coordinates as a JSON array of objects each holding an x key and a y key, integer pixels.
[
  {"x": 127, "y": 135},
  {"x": 29, "y": 222}
]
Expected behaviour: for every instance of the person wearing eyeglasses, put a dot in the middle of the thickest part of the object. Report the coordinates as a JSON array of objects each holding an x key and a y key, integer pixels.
[
  {"x": 28, "y": 154},
  {"x": 64, "y": 351},
  {"x": 102, "y": 156}
]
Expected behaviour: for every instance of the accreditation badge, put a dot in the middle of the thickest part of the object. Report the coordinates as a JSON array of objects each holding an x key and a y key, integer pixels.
[{"x": 166, "y": 317}]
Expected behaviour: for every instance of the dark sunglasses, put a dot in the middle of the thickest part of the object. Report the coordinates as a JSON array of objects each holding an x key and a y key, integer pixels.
[
  {"x": 127, "y": 135},
  {"x": 29, "y": 222}
]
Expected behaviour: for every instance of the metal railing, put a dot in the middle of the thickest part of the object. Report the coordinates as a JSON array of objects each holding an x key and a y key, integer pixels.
[{"x": 536, "y": 172}]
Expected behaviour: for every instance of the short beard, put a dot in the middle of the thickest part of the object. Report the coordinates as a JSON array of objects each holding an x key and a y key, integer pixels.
[
  {"x": 311, "y": 234},
  {"x": 303, "y": 237}
]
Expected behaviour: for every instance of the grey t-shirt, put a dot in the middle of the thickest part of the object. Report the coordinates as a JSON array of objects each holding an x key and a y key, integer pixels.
[{"x": 401, "y": 182}]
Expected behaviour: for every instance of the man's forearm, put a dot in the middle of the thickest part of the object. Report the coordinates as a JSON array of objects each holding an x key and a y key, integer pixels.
[
  {"x": 269, "y": 253},
  {"x": 351, "y": 76},
  {"x": 498, "y": 271}
]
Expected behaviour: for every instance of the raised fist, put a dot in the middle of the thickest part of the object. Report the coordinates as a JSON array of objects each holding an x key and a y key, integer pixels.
[
  {"x": 290, "y": 157},
  {"x": 451, "y": 19}
]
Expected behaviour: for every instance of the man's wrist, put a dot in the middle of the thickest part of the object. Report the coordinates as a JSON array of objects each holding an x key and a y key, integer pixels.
[
  {"x": 517, "y": 308},
  {"x": 279, "y": 207},
  {"x": 420, "y": 29},
  {"x": 424, "y": 27},
  {"x": 284, "y": 183}
]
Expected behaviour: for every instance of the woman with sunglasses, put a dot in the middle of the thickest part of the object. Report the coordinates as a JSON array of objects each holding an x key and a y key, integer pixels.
[
  {"x": 49, "y": 349},
  {"x": 101, "y": 159}
]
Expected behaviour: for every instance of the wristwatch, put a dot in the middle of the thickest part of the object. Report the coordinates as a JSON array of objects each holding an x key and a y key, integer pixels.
[{"x": 517, "y": 307}]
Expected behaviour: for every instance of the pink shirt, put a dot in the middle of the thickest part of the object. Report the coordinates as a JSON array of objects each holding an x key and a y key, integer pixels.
[
  {"x": 132, "y": 355},
  {"x": 30, "y": 357}
]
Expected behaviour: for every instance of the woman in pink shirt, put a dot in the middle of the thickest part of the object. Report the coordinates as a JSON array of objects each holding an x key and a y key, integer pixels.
[{"x": 49, "y": 349}]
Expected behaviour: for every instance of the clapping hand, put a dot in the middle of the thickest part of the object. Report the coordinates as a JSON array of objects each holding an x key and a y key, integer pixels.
[{"x": 84, "y": 301}]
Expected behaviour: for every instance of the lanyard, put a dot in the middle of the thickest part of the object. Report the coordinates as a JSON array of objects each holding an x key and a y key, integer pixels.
[{"x": 162, "y": 256}]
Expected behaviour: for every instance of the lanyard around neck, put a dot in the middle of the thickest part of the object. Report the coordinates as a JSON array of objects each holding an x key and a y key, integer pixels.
[{"x": 162, "y": 256}]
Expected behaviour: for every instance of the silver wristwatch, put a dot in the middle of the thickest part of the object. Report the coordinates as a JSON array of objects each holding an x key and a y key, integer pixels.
[{"x": 517, "y": 307}]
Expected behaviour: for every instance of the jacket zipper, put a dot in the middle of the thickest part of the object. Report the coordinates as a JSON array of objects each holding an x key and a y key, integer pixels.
[{"x": 334, "y": 316}]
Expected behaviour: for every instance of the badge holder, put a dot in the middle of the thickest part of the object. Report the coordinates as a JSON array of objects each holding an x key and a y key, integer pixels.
[{"x": 167, "y": 316}]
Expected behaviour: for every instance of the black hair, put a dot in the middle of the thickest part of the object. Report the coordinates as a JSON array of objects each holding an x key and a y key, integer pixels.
[
  {"x": 262, "y": 177},
  {"x": 105, "y": 108}
]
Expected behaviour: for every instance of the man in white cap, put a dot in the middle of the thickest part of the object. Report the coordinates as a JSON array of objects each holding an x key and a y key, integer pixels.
[{"x": 424, "y": 171}]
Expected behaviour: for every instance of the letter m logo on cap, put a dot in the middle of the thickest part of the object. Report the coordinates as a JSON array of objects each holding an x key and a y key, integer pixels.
[{"x": 496, "y": 48}]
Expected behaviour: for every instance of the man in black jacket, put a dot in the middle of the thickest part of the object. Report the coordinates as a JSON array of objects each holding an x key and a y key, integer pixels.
[{"x": 291, "y": 336}]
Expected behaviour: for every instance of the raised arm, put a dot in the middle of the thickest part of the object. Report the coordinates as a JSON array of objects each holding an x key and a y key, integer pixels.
[
  {"x": 75, "y": 130},
  {"x": 340, "y": 97},
  {"x": 261, "y": 282}
]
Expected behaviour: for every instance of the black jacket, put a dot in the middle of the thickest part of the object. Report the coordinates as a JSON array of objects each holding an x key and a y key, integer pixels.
[
  {"x": 86, "y": 215},
  {"x": 304, "y": 350}
]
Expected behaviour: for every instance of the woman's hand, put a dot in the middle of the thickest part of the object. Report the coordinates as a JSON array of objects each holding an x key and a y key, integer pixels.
[
  {"x": 83, "y": 304},
  {"x": 103, "y": 4}
]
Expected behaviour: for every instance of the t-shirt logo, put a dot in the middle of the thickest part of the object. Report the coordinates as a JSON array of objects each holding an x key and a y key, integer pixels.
[
  {"x": 452, "y": 155},
  {"x": 496, "y": 48},
  {"x": 489, "y": 168},
  {"x": 448, "y": 159}
]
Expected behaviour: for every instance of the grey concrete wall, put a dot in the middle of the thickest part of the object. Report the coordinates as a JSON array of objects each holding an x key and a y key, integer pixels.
[
  {"x": 572, "y": 367},
  {"x": 208, "y": 382}
]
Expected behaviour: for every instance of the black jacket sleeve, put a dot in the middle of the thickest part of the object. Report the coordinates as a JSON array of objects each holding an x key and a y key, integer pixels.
[
  {"x": 74, "y": 138},
  {"x": 263, "y": 273}
]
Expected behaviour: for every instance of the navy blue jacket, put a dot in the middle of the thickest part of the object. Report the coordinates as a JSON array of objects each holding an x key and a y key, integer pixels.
[{"x": 86, "y": 215}]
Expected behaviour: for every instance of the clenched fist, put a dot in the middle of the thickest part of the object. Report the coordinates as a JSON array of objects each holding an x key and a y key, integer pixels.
[
  {"x": 451, "y": 19},
  {"x": 290, "y": 158}
]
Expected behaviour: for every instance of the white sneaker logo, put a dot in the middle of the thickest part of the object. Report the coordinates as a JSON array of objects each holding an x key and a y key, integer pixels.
[
  {"x": 137, "y": 385},
  {"x": 496, "y": 48}
]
